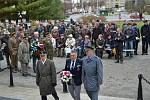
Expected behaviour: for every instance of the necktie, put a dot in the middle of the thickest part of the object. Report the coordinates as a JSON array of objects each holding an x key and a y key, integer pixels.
[{"x": 72, "y": 66}]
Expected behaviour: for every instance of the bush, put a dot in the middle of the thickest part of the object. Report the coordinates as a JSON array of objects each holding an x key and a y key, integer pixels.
[{"x": 89, "y": 19}]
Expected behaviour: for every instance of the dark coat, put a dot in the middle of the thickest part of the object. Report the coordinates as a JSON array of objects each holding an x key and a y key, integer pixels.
[
  {"x": 76, "y": 71},
  {"x": 60, "y": 43},
  {"x": 5, "y": 40},
  {"x": 96, "y": 32},
  {"x": 145, "y": 31},
  {"x": 119, "y": 39},
  {"x": 1, "y": 53},
  {"x": 100, "y": 43},
  {"x": 46, "y": 77}
]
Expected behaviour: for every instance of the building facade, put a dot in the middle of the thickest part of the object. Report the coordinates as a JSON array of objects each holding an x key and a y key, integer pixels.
[{"x": 115, "y": 3}]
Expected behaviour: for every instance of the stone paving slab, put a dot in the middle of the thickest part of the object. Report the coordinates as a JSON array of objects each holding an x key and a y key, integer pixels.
[
  {"x": 120, "y": 80},
  {"x": 21, "y": 93},
  {"x": 4, "y": 98}
]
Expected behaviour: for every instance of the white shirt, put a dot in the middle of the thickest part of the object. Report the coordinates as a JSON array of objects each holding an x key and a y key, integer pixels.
[
  {"x": 70, "y": 42},
  {"x": 53, "y": 42},
  {"x": 43, "y": 61}
]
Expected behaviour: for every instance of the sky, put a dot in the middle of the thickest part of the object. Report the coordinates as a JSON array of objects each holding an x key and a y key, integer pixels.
[{"x": 75, "y": 1}]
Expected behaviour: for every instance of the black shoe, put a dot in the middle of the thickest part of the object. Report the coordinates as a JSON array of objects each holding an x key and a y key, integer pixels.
[
  {"x": 131, "y": 56},
  {"x": 117, "y": 62},
  {"x": 14, "y": 71},
  {"x": 136, "y": 54},
  {"x": 65, "y": 91},
  {"x": 1, "y": 70},
  {"x": 25, "y": 75},
  {"x": 109, "y": 56},
  {"x": 146, "y": 53},
  {"x": 142, "y": 54}
]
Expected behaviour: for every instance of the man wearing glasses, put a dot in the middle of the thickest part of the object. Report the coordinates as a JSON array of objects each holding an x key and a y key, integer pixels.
[{"x": 74, "y": 65}]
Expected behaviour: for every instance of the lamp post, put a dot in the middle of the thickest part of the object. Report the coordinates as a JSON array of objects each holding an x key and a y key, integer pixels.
[
  {"x": 82, "y": 6},
  {"x": 97, "y": 4},
  {"x": 11, "y": 78}
]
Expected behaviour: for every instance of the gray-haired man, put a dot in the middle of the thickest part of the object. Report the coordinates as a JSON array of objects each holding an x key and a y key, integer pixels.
[{"x": 92, "y": 73}]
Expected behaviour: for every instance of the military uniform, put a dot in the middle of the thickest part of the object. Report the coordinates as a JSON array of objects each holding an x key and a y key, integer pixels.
[
  {"x": 24, "y": 57},
  {"x": 49, "y": 49},
  {"x": 92, "y": 75},
  {"x": 13, "y": 47},
  {"x": 60, "y": 47},
  {"x": 46, "y": 78}
]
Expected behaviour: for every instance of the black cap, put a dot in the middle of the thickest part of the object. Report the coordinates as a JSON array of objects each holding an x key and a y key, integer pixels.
[
  {"x": 43, "y": 53},
  {"x": 89, "y": 47}
]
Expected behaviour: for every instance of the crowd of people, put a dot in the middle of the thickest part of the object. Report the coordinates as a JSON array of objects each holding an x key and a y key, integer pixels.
[
  {"x": 74, "y": 40},
  {"x": 60, "y": 38},
  {"x": 65, "y": 37}
]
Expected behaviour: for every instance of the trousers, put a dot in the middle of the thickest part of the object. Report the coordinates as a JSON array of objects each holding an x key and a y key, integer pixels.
[
  {"x": 54, "y": 94},
  {"x": 74, "y": 91},
  {"x": 92, "y": 94},
  {"x": 24, "y": 68}
]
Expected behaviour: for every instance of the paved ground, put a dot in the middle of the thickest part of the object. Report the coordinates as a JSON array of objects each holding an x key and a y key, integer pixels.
[
  {"x": 120, "y": 80},
  {"x": 124, "y": 16},
  {"x": 21, "y": 93}
]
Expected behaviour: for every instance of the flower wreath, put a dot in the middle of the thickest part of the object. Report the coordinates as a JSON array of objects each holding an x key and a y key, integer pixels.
[
  {"x": 37, "y": 48},
  {"x": 66, "y": 76}
]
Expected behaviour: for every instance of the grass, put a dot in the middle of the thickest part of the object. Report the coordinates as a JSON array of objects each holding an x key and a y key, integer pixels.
[{"x": 120, "y": 23}]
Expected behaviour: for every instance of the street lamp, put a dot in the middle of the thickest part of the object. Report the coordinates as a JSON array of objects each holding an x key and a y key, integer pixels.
[
  {"x": 97, "y": 3},
  {"x": 82, "y": 6}
]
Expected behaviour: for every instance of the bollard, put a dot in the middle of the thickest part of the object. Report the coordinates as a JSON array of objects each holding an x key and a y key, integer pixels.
[
  {"x": 140, "y": 91},
  {"x": 11, "y": 77}
]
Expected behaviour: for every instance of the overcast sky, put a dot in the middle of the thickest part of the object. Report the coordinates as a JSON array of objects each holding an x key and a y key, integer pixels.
[{"x": 76, "y": 1}]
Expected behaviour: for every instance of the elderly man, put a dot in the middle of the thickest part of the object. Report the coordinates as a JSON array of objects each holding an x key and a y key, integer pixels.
[
  {"x": 24, "y": 55},
  {"x": 70, "y": 44},
  {"x": 46, "y": 77},
  {"x": 49, "y": 46},
  {"x": 34, "y": 49},
  {"x": 74, "y": 65},
  {"x": 92, "y": 73}
]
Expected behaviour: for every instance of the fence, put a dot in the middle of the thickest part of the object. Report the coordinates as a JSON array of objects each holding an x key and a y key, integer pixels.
[{"x": 140, "y": 90}]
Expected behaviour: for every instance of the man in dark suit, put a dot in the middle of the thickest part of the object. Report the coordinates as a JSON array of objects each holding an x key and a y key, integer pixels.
[
  {"x": 145, "y": 33},
  {"x": 74, "y": 65}
]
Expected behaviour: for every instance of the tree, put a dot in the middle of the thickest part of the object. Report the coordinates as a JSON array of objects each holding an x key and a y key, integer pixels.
[
  {"x": 137, "y": 6},
  {"x": 36, "y": 9}
]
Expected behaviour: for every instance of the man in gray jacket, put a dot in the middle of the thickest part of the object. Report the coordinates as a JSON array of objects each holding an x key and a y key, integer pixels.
[
  {"x": 92, "y": 73},
  {"x": 24, "y": 55}
]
